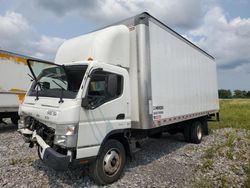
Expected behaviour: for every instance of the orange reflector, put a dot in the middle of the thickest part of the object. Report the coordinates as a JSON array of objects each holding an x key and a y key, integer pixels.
[
  {"x": 83, "y": 161},
  {"x": 90, "y": 59},
  {"x": 21, "y": 98}
]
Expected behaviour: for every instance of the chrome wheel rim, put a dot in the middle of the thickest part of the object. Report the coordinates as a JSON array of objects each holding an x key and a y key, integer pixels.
[
  {"x": 111, "y": 162},
  {"x": 199, "y": 132}
]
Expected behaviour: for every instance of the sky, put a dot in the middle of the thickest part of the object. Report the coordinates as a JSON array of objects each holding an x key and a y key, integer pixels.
[{"x": 221, "y": 27}]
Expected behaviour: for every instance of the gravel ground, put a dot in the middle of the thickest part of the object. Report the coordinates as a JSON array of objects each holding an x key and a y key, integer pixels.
[{"x": 164, "y": 162}]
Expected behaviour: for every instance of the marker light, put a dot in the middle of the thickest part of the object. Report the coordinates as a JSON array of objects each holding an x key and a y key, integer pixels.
[{"x": 90, "y": 59}]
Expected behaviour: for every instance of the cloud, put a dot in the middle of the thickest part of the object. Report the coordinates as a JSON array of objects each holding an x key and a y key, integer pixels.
[
  {"x": 178, "y": 13},
  {"x": 23, "y": 28},
  {"x": 228, "y": 40},
  {"x": 17, "y": 35}
]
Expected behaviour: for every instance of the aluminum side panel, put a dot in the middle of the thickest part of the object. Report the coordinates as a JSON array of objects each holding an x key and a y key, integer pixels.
[
  {"x": 133, "y": 77},
  {"x": 184, "y": 80},
  {"x": 144, "y": 80}
]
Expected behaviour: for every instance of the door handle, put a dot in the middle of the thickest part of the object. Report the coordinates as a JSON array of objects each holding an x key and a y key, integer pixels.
[{"x": 120, "y": 116}]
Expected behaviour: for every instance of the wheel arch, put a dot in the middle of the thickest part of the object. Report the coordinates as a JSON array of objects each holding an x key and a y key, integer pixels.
[{"x": 121, "y": 135}]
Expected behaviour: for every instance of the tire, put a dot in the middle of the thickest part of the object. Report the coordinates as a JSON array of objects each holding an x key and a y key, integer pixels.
[
  {"x": 109, "y": 164},
  {"x": 196, "y": 132},
  {"x": 39, "y": 150},
  {"x": 205, "y": 126}
]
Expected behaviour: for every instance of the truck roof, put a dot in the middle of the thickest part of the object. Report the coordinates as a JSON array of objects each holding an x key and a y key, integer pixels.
[{"x": 144, "y": 17}]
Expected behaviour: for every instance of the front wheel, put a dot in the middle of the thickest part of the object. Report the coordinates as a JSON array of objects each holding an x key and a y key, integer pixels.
[
  {"x": 39, "y": 152},
  {"x": 109, "y": 164}
]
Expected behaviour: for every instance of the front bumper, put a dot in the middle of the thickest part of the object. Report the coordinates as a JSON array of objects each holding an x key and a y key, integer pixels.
[
  {"x": 55, "y": 160},
  {"x": 49, "y": 156}
]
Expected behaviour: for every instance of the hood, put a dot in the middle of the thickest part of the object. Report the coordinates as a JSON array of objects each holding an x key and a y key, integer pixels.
[{"x": 50, "y": 112}]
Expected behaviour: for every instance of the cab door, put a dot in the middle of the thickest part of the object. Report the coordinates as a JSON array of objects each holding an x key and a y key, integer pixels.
[{"x": 105, "y": 108}]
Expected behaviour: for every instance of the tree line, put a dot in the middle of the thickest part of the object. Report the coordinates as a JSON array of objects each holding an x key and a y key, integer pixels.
[{"x": 228, "y": 94}]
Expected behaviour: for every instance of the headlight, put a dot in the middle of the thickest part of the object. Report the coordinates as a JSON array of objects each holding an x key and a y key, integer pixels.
[
  {"x": 66, "y": 135},
  {"x": 66, "y": 129},
  {"x": 65, "y": 141}
]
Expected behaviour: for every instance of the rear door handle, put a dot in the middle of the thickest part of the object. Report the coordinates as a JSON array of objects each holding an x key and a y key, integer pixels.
[{"x": 120, "y": 116}]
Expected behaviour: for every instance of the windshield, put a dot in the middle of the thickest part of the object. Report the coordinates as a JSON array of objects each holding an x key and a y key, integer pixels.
[{"x": 53, "y": 80}]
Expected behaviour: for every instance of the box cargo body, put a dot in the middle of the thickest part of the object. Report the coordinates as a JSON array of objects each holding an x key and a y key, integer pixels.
[
  {"x": 171, "y": 79},
  {"x": 177, "y": 80},
  {"x": 14, "y": 81}
]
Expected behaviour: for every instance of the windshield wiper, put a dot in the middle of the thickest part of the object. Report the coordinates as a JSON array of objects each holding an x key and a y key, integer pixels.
[
  {"x": 36, "y": 83},
  {"x": 61, "y": 96}
]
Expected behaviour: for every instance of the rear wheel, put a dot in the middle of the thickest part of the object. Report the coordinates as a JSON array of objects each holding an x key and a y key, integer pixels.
[
  {"x": 205, "y": 126},
  {"x": 196, "y": 132},
  {"x": 109, "y": 164},
  {"x": 193, "y": 131}
]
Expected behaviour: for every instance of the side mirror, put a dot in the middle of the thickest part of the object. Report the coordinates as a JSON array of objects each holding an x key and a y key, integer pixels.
[{"x": 85, "y": 103}]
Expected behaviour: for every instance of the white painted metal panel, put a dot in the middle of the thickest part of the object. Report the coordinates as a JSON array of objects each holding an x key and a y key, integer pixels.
[
  {"x": 109, "y": 45},
  {"x": 183, "y": 78},
  {"x": 95, "y": 124},
  {"x": 13, "y": 80}
]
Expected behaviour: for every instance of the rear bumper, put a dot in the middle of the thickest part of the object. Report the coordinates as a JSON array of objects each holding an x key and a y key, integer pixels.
[{"x": 55, "y": 160}]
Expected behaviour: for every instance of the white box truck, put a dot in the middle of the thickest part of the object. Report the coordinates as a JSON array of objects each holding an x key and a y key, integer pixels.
[
  {"x": 14, "y": 83},
  {"x": 112, "y": 87}
]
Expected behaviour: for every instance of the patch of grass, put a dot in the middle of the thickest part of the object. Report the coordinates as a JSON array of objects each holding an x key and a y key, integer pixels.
[
  {"x": 247, "y": 181},
  {"x": 191, "y": 148},
  {"x": 202, "y": 182},
  {"x": 248, "y": 135},
  {"x": 224, "y": 181},
  {"x": 234, "y": 113},
  {"x": 211, "y": 151},
  {"x": 207, "y": 165},
  {"x": 231, "y": 139},
  {"x": 229, "y": 154},
  {"x": 15, "y": 161}
]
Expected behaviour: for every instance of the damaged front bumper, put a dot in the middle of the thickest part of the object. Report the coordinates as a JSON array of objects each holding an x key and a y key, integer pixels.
[{"x": 50, "y": 157}]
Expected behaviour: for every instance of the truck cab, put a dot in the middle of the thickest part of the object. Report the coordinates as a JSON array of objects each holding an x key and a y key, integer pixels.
[
  {"x": 69, "y": 110},
  {"x": 75, "y": 106}
]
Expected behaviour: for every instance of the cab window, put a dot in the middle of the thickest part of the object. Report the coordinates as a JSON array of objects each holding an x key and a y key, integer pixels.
[{"x": 103, "y": 87}]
